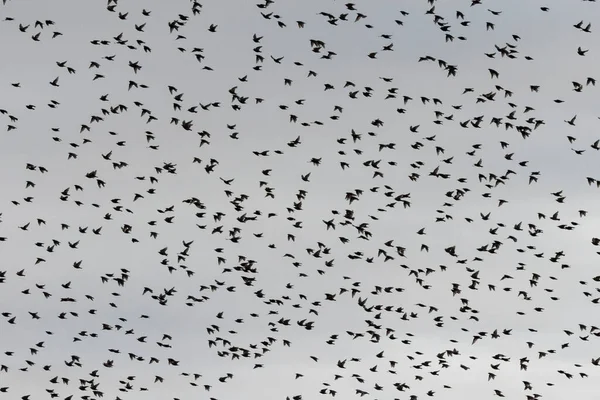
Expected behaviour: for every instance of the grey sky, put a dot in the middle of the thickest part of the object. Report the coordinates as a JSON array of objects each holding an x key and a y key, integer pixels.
[{"x": 549, "y": 38}]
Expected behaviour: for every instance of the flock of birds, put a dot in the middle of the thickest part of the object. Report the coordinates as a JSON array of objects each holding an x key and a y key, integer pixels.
[{"x": 299, "y": 200}]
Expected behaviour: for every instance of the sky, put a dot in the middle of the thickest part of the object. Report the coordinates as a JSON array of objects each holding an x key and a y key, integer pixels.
[{"x": 396, "y": 316}]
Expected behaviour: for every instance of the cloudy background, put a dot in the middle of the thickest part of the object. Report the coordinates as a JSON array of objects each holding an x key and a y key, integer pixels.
[{"x": 549, "y": 38}]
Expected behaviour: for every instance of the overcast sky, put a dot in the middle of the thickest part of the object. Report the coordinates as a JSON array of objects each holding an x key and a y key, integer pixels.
[{"x": 491, "y": 181}]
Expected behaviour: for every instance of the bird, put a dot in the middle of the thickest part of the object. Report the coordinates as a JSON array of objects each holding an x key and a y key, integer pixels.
[{"x": 314, "y": 187}]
